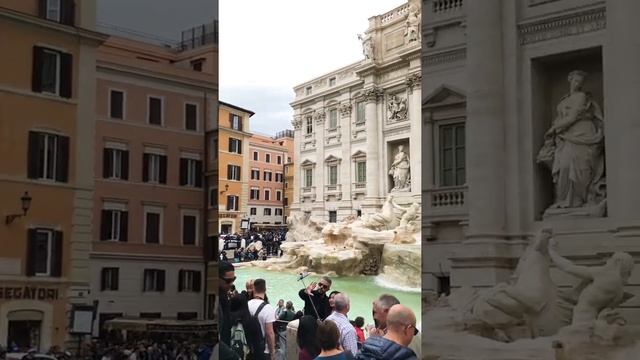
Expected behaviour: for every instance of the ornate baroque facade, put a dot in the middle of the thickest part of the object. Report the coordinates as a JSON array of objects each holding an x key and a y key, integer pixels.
[
  {"x": 350, "y": 123},
  {"x": 499, "y": 78}
]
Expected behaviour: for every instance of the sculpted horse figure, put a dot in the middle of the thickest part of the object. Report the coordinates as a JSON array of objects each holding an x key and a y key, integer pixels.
[{"x": 529, "y": 300}]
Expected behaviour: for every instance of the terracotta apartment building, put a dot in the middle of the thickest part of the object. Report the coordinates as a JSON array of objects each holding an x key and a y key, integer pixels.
[
  {"x": 47, "y": 97},
  {"x": 268, "y": 156},
  {"x": 154, "y": 104},
  {"x": 233, "y": 150}
]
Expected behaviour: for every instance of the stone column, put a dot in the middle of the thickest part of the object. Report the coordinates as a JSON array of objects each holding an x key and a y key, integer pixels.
[
  {"x": 346, "y": 166},
  {"x": 373, "y": 154},
  {"x": 319, "y": 177},
  {"x": 621, "y": 89},
  {"x": 485, "y": 124},
  {"x": 297, "y": 171},
  {"x": 414, "y": 103},
  {"x": 485, "y": 257}
]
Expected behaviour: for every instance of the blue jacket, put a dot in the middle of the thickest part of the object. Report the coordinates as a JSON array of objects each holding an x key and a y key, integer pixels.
[{"x": 379, "y": 348}]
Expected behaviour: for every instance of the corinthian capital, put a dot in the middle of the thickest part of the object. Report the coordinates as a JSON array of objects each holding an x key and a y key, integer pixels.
[
  {"x": 412, "y": 81},
  {"x": 319, "y": 116},
  {"x": 373, "y": 94}
]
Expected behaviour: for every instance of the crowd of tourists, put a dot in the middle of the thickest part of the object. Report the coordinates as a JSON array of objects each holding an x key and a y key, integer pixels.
[
  {"x": 270, "y": 242},
  {"x": 251, "y": 325},
  {"x": 168, "y": 349}
]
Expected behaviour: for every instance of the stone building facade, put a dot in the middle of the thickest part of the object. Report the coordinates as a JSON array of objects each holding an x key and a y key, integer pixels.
[
  {"x": 499, "y": 77},
  {"x": 353, "y": 123}
]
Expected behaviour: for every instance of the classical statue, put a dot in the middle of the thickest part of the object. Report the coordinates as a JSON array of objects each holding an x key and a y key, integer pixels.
[
  {"x": 601, "y": 289},
  {"x": 400, "y": 171},
  {"x": 573, "y": 149},
  {"x": 529, "y": 299},
  {"x": 412, "y": 30},
  {"x": 367, "y": 45},
  {"x": 397, "y": 108}
]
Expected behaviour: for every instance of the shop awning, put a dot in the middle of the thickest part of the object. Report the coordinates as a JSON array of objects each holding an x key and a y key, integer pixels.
[{"x": 161, "y": 325}]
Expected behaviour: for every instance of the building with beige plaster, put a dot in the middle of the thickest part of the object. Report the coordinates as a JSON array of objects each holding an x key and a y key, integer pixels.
[{"x": 47, "y": 122}]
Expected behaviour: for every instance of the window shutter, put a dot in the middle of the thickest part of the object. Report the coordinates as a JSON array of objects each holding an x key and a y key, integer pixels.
[
  {"x": 163, "y": 169},
  {"x": 231, "y": 120},
  {"x": 235, "y": 203},
  {"x": 231, "y": 145},
  {"x": 197, "y": 280},
  {"x": 229, "y": 172},
  {"x": 239, "y": 146},
  {"x": 180, "y": 280},
  {"x": 31, "y": 252},
  {"x": 66, "y": 75},
  {"x": 183, "y": 171},
  {"x": 125, "y": 165},
  {"x": 33, "y": 155},
  {"x": 38, "y": 53},
  {"x": 124, "y": 226},
  {"x": 115, "y": 280},
  {"x": 68, "y": 10},
  {"x": 161, "y": 280},
  {"x": 199, "y": 173},
  {"x": 145, "y": 277},
  {"x": 107, "y": 163},
  {"x": 62, "y": 159},
  {"x": 42, "y": 8},
  {"x": 240, "y": 123},
  {"x": 105, "y": 224},
  {"x": 145, "y": 167},
  {"x": 229, "y": 204},
  {"x": 103, "y": 279},
  {"x": 56, "y": 254}
]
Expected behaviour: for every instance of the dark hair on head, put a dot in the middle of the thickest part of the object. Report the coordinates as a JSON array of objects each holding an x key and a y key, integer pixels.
[
  {"x": 306, "y": 337},
  {"x": 260, "y": 286},
  {"x": 326, "y": 278},
  {"x": 328, "y": 335},
  {"x": 334, "y": 292},
  {"x": 359, "y": 321},
  {"x": 298, "y": 315},
  {"x": 224, "y": 268}
]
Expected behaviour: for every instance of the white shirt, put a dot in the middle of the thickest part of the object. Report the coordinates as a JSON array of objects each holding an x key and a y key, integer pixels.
[{"x": 266, "y": 316}]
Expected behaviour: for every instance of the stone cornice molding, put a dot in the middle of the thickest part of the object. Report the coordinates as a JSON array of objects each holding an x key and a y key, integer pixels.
[
  {"x": 445, "y": 57},
  {"x": 373, "y": 94},
  {"x": 576, "y": 23}
]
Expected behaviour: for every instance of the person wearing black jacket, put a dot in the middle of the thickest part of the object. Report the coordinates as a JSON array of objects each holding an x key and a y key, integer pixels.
[
  {"x": 226, "y": 273},
  {"x": 315, "y": 298}
]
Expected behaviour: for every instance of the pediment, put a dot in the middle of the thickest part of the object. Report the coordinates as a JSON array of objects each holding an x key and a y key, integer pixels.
[
  {"x": 332, "y": 158},
  {"x": 307, "y": 163},
  {"x": 359, "y": 154},
  {"x": 444, "y": 95}
]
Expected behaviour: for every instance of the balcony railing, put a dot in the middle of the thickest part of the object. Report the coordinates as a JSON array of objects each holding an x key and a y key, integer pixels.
[
  {"x": 333, "y": 188},
  {"x": 441, "y": 10},
  {"x": 448, "y": 201}
]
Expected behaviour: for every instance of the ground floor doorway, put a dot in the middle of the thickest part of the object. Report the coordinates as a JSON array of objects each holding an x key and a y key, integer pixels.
[{"x": 24, "y": 334}]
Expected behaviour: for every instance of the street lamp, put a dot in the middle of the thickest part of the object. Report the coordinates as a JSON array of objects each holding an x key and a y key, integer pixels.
[
  {"x": 226, "y": 188},
  {"x": 26, "y": 204}
]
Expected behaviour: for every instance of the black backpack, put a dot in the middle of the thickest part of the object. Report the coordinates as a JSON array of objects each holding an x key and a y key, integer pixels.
[{"x": 257, "y": 343}]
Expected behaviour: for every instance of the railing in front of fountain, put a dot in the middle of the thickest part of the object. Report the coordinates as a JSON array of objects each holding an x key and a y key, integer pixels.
[{"x": 448, "y": 201}]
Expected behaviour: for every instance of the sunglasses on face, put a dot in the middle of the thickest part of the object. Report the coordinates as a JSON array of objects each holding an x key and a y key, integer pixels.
[
  {"x": 325, "y": 286},
  {"x": 229, "y": 280}
]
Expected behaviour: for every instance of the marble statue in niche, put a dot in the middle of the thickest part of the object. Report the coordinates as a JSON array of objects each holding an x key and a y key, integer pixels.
[
  {"x": 397, "y": 108},
  {"x": 367, "y": 45},
  {"x": 574, "y": 152},
  {"x": 401, "y": 171}
]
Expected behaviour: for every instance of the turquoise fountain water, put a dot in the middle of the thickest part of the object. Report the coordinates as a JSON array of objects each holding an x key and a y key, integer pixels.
[{"x": 362, "y": 290}]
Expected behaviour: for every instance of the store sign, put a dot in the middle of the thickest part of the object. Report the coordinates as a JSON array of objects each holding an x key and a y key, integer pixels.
[{"x": 28, "y": 293}]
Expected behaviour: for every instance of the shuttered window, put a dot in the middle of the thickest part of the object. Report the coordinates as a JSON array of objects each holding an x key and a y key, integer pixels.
[
  {"x": 48, "y": 157},
  {"x": 154, "y": 280},
  {"x": 52, "y": 72},
  {"x": 116, "y": 104},
  {"x": 190, "y": 172},
  {"x": 152, "y": 233},
  {"x": 189, "y": 229},
  {"x": 115, "y": 164},
  {"x": 44, "y": 253},
  {"x": 110, "y": 279},
  {"x": 62, "y": 11},
  {"x": 154, "y": 168},
  {"x": 155, "y": 110},
  {"x": 114, "y": 225},
  {"x": 191, "y": 117},
  {"x": 189, "y": 281}
]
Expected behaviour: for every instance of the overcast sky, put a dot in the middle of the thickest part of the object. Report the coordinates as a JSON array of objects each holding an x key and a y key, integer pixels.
[
  {"x": 268, "y": 47},
  {"x": 163, "y": 18}
]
